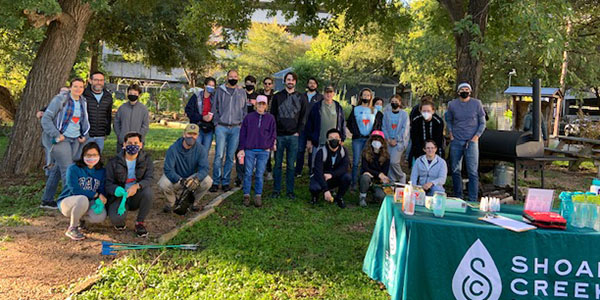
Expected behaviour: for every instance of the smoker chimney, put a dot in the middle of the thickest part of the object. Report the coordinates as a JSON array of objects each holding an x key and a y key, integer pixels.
[{"x": 536, "y": 111}]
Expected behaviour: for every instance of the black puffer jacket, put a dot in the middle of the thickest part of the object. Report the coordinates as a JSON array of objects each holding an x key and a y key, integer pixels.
[
  {"x": 99, "y": 114},
  {"x": 116, "y": 172}
]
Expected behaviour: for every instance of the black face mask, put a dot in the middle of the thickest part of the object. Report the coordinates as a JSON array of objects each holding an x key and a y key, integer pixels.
[
  {"x": 232, "y": 81},
  {"x": 333, "y": 143},
  {"x": 364, "y": 100},
  {"x": 249, "y": 88},
  {"x": 132, "y": 98},
  {"x": 464, "y": 95},
  {"x": 395, "y": 105}
]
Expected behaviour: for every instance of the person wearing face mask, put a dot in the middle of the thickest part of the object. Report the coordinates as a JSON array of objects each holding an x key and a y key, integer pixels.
[
  {"x": 465, "y": 119},
  {"x": 66, "y": 126},
  {"x": 85, "y": 185},
  {"x": 361, "y": 122},
  {"x": 99, "y": 108},
  {"x": 395, "y": 126},
  {"x": 429, "y": 170},
  {"x": 311, "y": 97},
  {"x": 250, "y": 86},
  {"x": 330, "y": 170},
  {"x": 323, "y": 116},
  {"x": 229, "y": 110},
  {"x": 268, "y": 92},
  {"x": 131, "y": 116},
  {"x": 186, "y": 165},
  {"x": 289, "y": 110},
  {"x": 426, "y": 126},
  {"x": 131, "y": 170},
  {"x": 374, "y": 168},
  {"x": 257, "y": 140},
  {"x": 198, "y": 111}
]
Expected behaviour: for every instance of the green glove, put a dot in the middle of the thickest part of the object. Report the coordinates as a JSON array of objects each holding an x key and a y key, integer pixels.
[
  {"x": 121, "y": 192},
  {"x": 98, "y": 206}
]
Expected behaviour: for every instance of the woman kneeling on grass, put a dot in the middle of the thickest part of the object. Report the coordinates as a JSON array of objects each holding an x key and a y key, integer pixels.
[
  {"x": 374, "y": 167},
  {"x": 85, "y": 184},
  {"x": 257, "y": 138}
]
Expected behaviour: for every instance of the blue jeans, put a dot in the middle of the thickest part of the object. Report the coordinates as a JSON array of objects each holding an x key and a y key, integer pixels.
[
  {"x": 255, "y": 159},
  {"x": 205, "y": 139},
  {"x": 227, "y": 140},
  {"x": 470, "y": 151},
  {"x": 53, "y": 174},
  {"x": 357, "y": 146},
  {"x": 98, "y": 140},
  {"x": 302, "y": 139},
  {"x": 289, "y": 144}
]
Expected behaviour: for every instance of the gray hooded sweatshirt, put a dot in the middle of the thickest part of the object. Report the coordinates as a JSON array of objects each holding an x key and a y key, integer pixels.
[{"x": 131, "y": 118}]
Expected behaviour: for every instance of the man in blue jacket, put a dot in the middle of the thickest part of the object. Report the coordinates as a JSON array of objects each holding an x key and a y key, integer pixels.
[{"x": 186, "y": 165}]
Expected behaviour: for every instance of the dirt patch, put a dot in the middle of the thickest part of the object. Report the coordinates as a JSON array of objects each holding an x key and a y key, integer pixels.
[{"x": 40, "y": 262}]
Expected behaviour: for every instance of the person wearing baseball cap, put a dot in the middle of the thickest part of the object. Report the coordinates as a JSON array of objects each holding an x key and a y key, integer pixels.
[
  {"x": 375, "y": 165},
  {"x": 465, "y": 119},
  {"x": 186, "y": 166},
  {"x": 257, "y": 139}
]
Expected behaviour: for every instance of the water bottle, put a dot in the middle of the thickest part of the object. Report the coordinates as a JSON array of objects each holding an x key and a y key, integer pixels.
[
  {"x": 419, "y": 196},
  {"x": 408, "y": 205},
  {"x": 439, "y": 204},
  {"x": 566, "y": 206}
]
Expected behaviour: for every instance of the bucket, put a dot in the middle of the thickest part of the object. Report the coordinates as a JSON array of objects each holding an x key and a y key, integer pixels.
[{"x": 503, "y": 175}]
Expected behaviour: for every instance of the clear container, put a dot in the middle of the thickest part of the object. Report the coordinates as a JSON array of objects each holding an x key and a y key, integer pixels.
[
  {"x": 597, "y": 219},
  {"x": 439, "y": 204},
  {"x": 578, "y": 219},
  {"x": 408, "y": 205},
  {"x": 419, "y": 196},
  {"x": 566, "y": 206}
]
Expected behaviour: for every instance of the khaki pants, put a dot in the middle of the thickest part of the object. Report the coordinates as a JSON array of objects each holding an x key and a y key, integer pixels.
[{"x": 171, "y": 190}]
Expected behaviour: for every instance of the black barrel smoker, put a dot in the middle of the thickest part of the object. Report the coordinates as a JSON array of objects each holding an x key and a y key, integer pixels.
[{"x": 524, "y": 149}]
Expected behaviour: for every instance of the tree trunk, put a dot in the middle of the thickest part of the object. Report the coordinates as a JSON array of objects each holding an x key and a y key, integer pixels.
[
  {"x": 563, "y": 83},
  {"x": 7, "y": 105},
  {"x": 468, "y": 67},
  {"x": 49, "y": 72},
  {"x": 94, "y": 55}
]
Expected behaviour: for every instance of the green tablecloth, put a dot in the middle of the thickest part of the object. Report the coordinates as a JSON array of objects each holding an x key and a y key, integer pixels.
[{"x": 461, "y": 257}]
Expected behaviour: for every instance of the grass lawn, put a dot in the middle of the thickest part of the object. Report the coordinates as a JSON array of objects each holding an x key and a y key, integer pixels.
[{"x": 284, "y": 250}]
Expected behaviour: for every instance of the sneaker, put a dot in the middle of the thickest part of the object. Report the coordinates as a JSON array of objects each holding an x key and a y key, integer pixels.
[
  {"x": 257, "y": 200},
  {"x": 246, "y": 200},
  {"x": 275, "y": 195},
  {"x": 340, "y": 203},
  {"x": 226, "y": 188},
  {"x": 140, "y": 229},
  {"x": 214, "y": 188},
  {"x": 298, "y": 175},
  {"x": 238, "y": 182},
  {"x": 269, "y": 176},
  {"x": 195, "y": 208},
  {"x": 291, "y": 196},
  {"x": 120, "y": 227},
  {"x": 74, "y": 234},
  {"x": 167, "y": 209},
  {"x": 82, "y": 226},
  {"x": 49, "y": 205},
  {"x": 362, "y": 202}
]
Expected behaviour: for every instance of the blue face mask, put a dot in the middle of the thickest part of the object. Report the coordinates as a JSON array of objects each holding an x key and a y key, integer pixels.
[
  {"x": 210, "y": 89},
  {"x": 132, "y": 149},
  {"x": 378, "y": 107}
]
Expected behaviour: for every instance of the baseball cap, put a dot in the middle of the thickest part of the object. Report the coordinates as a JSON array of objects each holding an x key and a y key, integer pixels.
[
  {"x": 191, "y": 128},
  {"x": 261, "y": 98}
]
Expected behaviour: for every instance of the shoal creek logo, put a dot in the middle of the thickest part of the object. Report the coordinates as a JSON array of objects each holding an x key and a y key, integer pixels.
[{"x": 476, "y": 277}]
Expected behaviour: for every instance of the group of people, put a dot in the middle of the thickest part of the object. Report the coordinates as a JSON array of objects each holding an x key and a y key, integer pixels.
[{"x": 249, "y": 126}]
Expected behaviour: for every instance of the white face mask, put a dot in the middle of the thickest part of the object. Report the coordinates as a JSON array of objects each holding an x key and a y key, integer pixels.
[
  {"x": 427, "y": 115},
  {"x": 376, "y": 145}
]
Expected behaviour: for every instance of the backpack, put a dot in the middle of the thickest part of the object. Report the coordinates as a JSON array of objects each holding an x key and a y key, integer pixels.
[{"x": 325, "y": 153}]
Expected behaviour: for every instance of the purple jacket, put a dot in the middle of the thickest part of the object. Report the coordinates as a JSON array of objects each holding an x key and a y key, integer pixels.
[{"x": 258, "y": 131}]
